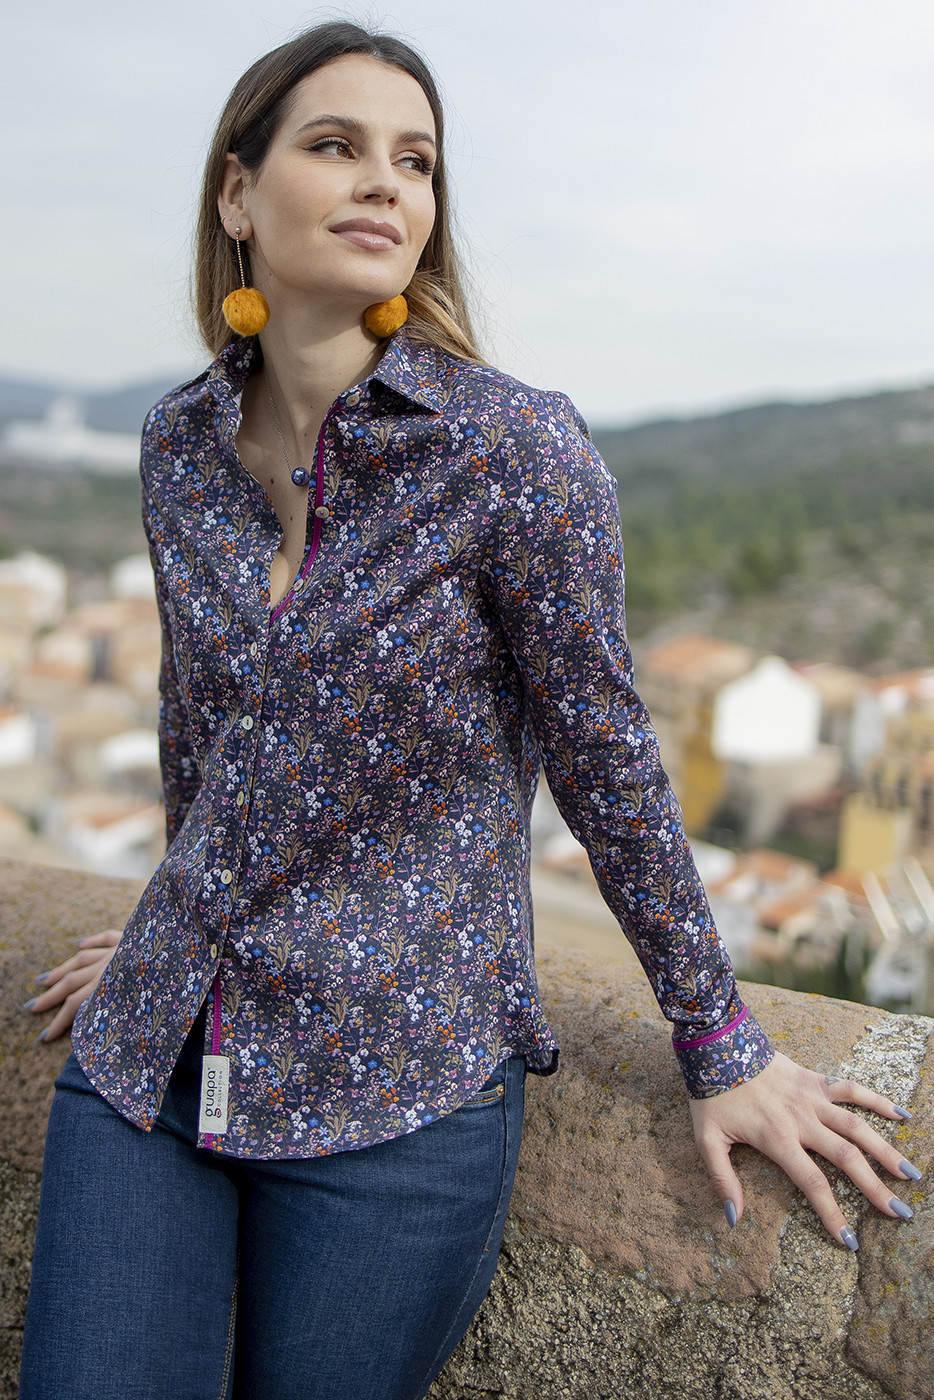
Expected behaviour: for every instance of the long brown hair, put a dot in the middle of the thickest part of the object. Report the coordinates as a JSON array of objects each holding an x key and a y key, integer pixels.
[{"x": 438, "y": 313}]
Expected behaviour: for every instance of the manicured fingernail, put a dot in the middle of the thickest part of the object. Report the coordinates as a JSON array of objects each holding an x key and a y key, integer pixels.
[
  {"x": 41, "y": 1035},
  {"x": 903, "y": 1166},
  {"x": 849, "y": 1238},
  {"x": 28, "y": 1005},
  {"x": 900, "y": 1209},
  {"x": 729, "y": 1210},
  {"x": 903, "y": 1112}
]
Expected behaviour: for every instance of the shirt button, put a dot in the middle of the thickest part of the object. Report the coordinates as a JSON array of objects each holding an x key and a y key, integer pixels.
[
  {"x": 253, "y": 648},
  {"x": 322, "y": 512},
  {"x": 213, "y": 951},
  {"x": 226, "y": 877},
  {"x": 246, "y": 722},
  {"x": 240, "y": 799}
]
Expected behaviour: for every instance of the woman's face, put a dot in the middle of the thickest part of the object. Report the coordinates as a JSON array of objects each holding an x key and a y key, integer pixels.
[{"x": 343, "y": 204}]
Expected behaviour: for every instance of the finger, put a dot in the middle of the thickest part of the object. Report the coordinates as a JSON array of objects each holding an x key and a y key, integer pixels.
[
  {"x": 64, "y": 1019},
  {"x": 84, "y": 958},
  {"x": 109, "y": 938},
  {"x": 74, "y": 981},
  {"x": 89, "y": 950},
  {"x": 847, "y": 1156},
  {"x": 55, "y": 974},
  {"x": 847, "y": 1091},
  {"x": 90, "y": 957},
  {"x": 850, "y": 1125},
  {"x": 56, "y": 994},
  {"x": 809, "y": 1179},
  {"x": 716, "y": 1154}
]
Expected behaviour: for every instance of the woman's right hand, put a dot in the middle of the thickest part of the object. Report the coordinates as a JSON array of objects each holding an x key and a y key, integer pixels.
[{"x": 73, "y": 981}]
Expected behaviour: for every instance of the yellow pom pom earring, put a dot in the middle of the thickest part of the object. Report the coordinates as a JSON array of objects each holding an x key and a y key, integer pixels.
[
  {"x": 246, "y": 310},
  {"x": 384, "y": 317}
]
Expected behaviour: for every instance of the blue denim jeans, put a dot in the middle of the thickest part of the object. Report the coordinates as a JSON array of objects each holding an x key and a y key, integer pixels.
[{"x": 165, "y": 1272}]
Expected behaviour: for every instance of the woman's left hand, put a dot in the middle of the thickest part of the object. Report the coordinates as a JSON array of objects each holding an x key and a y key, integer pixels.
[
  {"x": 788, "y": 1111},
  {"x": 72, "y": 982}
]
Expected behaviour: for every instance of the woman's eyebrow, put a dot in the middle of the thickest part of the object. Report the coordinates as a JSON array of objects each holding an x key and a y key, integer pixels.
[
  {"x": 358, "y": 128},
  {"x": 408, "y": 138}
]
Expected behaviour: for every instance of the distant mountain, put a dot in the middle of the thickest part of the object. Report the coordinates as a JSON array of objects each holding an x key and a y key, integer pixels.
[
  {"x": 110, "y": 410},
  {"x": 24, "y": 398},
  {"x": 807, "y": 529},
  {"x": 123, "y": 410},
  {"x": 757, "y": 442},
  {"x": 743, "y": 442}
]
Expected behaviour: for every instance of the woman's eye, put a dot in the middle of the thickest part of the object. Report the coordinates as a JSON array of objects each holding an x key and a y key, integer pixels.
[
  {"x": 420, "y": 163},
  {"x": 333, "y": 144}
]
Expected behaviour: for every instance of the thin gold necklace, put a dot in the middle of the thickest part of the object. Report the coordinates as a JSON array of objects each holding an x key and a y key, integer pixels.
[{"x": 299, "y": 475}]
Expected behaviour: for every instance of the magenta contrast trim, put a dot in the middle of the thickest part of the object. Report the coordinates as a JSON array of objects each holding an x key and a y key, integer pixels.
[
  {"x": 715, "y": 1035},
  {"x": 215, "y": 1033},
  {"x": 316, "y": 528},
  {"x": 216, "y": 1028}
]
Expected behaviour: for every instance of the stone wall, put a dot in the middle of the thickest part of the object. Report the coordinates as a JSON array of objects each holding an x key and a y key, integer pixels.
[{"x": 619, "y": 1276}]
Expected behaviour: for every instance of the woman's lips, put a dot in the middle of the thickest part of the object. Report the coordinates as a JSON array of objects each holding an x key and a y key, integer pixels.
[{"x": 365, "y": 233}]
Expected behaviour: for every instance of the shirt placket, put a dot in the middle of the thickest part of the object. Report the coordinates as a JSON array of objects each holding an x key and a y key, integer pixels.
[{"x": 248, "y": 728}]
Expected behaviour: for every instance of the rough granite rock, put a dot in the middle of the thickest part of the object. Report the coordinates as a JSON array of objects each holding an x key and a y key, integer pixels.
[
  {"x": 614, "y": 1123},
  {"x": 43, "y": 913},
  {"x": 643, "y": 1293},
  {"x": 619, "y": 1276},
  {"x": 892, "y": 1333}
]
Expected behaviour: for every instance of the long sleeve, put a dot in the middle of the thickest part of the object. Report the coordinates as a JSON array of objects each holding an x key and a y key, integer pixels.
[
  {"x": 556, "y": 573},
  {"x": 181, "y": 777},
  {"x": 349, "y": 777}
]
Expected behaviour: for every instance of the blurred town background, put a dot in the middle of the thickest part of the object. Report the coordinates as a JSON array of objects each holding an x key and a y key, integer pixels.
[{"x": 781, "y": 606}]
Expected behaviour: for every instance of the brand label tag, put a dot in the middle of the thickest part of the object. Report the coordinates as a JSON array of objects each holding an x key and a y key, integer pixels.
[{"x": 215, "y": 1077}]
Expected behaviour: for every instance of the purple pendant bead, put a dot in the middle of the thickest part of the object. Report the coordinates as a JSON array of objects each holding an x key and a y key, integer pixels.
[{"x": 300, "y": 476}]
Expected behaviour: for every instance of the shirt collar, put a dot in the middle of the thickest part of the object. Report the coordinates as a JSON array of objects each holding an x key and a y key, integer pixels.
[
  {"x": 412, "y": 370},
  {"x": 407, "y": 367}
]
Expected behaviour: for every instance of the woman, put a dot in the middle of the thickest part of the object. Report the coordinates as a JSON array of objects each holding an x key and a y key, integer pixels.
[{"x": 389, "y": 579}]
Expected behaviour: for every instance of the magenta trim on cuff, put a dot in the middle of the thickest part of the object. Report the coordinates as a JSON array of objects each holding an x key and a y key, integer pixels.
[{"x": 715, "y": 1035}]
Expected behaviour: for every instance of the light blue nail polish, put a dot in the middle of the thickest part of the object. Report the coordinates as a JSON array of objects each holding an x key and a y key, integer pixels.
[
  {"x": 28, "y": 1005},
  {"x": 729, "y": 1210},
  {"x": 903, "y": 1112},
  {"x": 911, "y": 1172},
  {"x": 41, "y": 1035},
  {"x": 904, "y": 1212},
  {"x": 849, "y": 1238}
]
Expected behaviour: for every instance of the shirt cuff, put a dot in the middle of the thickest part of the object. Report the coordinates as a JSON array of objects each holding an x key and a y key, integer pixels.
[{"x": 720, "y": 1059}]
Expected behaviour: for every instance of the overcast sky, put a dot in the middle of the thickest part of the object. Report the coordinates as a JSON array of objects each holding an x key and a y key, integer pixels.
[{"x": 666, "y": 204}]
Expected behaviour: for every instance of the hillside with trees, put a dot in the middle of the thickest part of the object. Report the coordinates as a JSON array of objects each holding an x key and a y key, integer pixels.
[
  {"x": 833, "y": 562},
  {"x": 807, "y": 529}
]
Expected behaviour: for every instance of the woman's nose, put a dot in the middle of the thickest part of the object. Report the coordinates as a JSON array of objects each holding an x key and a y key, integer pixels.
[{"x": 379, "y": 185}]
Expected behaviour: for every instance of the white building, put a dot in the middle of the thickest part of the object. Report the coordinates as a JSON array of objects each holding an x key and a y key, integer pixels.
[
  {"x": 61, "y": 439},
  {"x": 884, "y": 700},
  {"x": 17, "y": 737},
  {"x": 133, "y": 578},
  {"x": 770, "y": 715},
  {"x": 33, "y": 591}
]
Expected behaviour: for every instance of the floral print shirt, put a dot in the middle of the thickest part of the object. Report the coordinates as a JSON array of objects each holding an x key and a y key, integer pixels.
[{"x": 349, "y": 775}]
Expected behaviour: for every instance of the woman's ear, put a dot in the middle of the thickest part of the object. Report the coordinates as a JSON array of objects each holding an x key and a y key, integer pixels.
[{"x": 230, "y": 198}]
